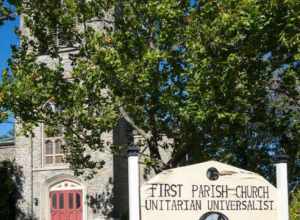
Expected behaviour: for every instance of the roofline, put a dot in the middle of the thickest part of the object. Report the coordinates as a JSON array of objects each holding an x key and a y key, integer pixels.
[{"x": 7, "y": 143}]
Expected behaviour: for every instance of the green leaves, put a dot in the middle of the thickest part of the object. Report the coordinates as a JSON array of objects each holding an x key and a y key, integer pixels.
[
  {"x": 7, "y": 11},
  {"x": 295, "y": 206},
  {"x": 220, "y": 78}
]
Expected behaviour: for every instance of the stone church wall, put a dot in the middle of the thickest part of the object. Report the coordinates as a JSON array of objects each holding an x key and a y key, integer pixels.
[
  {"x": 7, "y": 151},
  {"x": 28, "y": 153}
]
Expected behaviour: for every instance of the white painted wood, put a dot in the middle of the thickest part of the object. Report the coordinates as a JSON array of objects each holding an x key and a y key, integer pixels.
[
  {"x": 134, "y": 191},
  {"x": 282, "y": 188},
  {"x": 66, "y": 185},
  {"x": 188, "y": 193}
]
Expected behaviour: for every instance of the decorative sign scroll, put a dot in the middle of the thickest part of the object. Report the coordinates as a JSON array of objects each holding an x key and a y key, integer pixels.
[{"x": 208, "y": 191}]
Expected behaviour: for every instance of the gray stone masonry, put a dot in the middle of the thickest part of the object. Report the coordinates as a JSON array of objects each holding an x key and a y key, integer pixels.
[
  {"x": 23, "y": 158},
  {"x": 7, "y": 151}
]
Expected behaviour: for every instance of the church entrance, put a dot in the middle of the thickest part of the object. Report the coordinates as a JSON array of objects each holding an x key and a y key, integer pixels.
[
  {"x": 66, "y": 201},
  {"x": 66, "y": 205}
]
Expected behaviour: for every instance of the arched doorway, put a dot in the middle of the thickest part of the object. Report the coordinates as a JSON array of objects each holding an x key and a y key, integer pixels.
[{"x": 66, "y": 201}]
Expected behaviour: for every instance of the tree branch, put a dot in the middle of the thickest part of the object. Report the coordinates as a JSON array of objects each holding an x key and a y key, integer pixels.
[
  {"x": 129, "y": 120},
  {"x": 6, "y": 17},
  {"x": 125, "y": 115}
]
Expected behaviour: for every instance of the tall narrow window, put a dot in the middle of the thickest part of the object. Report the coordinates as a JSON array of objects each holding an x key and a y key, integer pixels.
[
  {"x": 61, "y": 200},
  {"x": 71, "y": 201},
  {"x": 78, "y": 201},
  {"x": 49, "y": 152},
  {"x": 54, "y": 201},
  {"x": 53, "y": 146},
  {"x": 59, "y": 154}
]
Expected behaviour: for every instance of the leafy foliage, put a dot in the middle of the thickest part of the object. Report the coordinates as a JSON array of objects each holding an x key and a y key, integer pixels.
[
  {"x": 7, "y": 12},
  {"x": 295, "y": 206},
  {"x": 219, "y": 78}
]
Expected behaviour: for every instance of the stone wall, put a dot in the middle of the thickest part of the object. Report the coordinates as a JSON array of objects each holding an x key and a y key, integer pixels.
[
  {"x": 7, "y": 151},
  {"x": 23, "y": 158},
  {"x": 98, "y": 191},
  {"x": 106, "y": 194}
]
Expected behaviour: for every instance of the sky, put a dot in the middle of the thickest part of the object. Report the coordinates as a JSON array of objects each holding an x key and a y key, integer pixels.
[{"x": 7, "y": 38}]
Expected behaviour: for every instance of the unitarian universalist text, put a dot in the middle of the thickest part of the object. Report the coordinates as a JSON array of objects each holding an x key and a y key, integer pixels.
[{"x": 169, "y": 197}]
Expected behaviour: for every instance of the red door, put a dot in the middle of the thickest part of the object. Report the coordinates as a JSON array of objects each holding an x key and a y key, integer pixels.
[{"x": 66, "y": 205}]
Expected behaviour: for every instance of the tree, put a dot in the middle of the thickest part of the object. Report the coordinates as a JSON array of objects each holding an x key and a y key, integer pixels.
[
  {"x": 295, "y": 206},
  {"x": 6, "y": 11},
  {"x": 219, "y": 78}
]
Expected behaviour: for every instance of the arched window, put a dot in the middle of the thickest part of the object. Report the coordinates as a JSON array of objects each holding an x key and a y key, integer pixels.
[
  {"x": 53, "y": 145},
  {"x": 49, "y": 152},
  {"x": 54, "y": 153}
]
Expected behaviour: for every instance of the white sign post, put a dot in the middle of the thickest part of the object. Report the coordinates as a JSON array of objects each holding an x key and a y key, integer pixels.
[
  {"x": 282, "y": 186},
  {"x": 133, "y": 182}
]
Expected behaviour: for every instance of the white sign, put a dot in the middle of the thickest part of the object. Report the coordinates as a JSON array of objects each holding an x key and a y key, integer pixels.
[{"x": 208, "y": 191}]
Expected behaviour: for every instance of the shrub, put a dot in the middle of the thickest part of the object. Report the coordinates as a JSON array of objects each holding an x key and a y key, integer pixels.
[{"x": 295, "y": 206}]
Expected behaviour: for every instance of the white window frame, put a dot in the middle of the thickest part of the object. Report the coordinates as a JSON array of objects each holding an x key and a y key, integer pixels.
[{"x": 54, "y": 154}]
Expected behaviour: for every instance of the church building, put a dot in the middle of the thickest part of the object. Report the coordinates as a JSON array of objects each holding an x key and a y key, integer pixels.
[{"x": 50, "y": 190}]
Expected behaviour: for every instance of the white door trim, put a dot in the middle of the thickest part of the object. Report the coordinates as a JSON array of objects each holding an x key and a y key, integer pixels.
[{"x": 53, "y": 184}]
